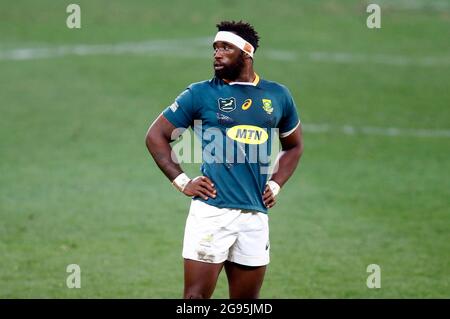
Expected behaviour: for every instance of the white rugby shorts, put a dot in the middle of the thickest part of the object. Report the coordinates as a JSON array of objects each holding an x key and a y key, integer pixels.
[{"x": 215, "y": 234}]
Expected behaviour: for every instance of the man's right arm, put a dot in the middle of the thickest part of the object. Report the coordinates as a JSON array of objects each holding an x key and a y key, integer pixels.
[{"x": 159, "y": 136}]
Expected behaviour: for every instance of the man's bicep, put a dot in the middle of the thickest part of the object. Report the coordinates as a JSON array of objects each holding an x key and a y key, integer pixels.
[
  {"x": 162, "y": 127},
  {"x": 294, "y": 139}
]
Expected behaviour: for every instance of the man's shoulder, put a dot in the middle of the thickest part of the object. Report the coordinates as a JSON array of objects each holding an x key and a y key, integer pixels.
[
  {"x": 274, "y": 87},
  {"x": 202, "y": 85}
]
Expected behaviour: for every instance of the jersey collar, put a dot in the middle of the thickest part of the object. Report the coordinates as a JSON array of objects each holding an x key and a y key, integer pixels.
[{"x": 254, "y": 83}]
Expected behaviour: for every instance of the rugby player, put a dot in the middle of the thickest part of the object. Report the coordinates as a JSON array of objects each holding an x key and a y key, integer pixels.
[{"x": 227, "y": 225}]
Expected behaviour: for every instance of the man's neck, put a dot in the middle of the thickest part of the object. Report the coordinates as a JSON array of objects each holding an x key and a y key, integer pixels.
[{"x": 247, "y": 74}]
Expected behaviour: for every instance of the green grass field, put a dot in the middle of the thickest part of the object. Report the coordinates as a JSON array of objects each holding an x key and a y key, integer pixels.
[{"x": 78, "y": 185}]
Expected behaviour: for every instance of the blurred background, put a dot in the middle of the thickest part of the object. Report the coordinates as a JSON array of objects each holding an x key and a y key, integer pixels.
[{"x": 79, "y": 187}]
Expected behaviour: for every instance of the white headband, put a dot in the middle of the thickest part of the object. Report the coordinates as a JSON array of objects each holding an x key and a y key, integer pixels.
[{"x": 232, "y": 38}]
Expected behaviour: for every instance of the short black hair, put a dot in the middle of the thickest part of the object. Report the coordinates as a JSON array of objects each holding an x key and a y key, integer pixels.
[{"x": 243, "y": 29}]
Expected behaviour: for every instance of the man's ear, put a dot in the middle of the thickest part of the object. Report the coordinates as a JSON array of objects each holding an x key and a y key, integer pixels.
[{"x": 247, "y": 56}]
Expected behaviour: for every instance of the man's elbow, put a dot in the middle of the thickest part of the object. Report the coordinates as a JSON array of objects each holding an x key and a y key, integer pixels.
[
  {"x": 150, "y": 138},
  {"x": 301, "y": 149},
  {"x": 297, "y": 151}
]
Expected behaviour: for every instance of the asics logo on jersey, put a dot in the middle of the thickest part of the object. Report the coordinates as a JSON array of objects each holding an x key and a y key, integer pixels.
[
  {"x": 248, "y": 134},
  {"x": 247, "y": 104}
]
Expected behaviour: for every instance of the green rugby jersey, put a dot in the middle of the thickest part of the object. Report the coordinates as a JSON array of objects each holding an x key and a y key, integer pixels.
[{"x": 237, "y": 124}]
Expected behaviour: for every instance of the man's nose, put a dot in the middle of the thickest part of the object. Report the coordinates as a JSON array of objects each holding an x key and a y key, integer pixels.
[{"x": 217, "y": 55}]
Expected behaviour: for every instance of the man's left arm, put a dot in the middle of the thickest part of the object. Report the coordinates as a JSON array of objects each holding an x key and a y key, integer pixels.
[{"x": 291, "y": 151}]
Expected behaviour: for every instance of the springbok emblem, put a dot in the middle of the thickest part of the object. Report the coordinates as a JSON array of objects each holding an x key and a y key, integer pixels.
[{"x": 227, "y": 104}]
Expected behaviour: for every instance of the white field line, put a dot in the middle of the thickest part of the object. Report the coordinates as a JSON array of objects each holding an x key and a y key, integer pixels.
[
  {"x": 395, "y": 60},
  {"x": 371, "y": 130},
  {"x": 201, "y": 48},
  {"x": 157, "y": 47},
  {"x": 197, "y": 48}
]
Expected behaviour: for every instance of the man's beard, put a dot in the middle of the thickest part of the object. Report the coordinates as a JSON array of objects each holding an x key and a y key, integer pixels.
[{"x": 231, "y": 72}]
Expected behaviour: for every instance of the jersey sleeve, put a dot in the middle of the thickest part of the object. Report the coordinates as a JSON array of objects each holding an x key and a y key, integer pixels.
[
  {"x": 182, "y": 111},
  {"x": 290, "y": 119}
]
